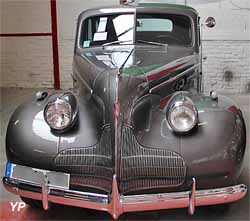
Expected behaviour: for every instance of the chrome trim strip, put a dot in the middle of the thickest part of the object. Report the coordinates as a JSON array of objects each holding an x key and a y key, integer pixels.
[
  {"x": 117, "y": 204},
  {"x": 191, "y": 208},
  {"x": 45, "y": 190},
  {"x": 173, "y": 78}
]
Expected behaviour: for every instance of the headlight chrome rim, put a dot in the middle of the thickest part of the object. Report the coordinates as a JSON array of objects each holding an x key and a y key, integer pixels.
[
  {"x": 64, "y": 103},
  {"x": 187, "y": 104}
]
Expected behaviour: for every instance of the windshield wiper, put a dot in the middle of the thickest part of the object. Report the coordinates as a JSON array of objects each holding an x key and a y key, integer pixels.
[
  {"x": 115, "y": 42},
  {"x": 123, "y": 65},
  {"x": 152, "y": 43}
]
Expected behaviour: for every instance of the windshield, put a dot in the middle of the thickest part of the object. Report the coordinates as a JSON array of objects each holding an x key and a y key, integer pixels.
[
  {"x": 164, "y": 29},
  {"x": 102, "y": 30},
  {"x": 158, "y": 29}
]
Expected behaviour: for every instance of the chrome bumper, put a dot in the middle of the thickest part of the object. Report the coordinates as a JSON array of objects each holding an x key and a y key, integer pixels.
[{"x": 116, "y": 204}]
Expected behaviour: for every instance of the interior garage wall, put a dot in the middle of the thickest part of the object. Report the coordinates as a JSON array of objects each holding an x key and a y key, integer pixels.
[
  {"x": 28, "y": 61},
  {"x": 25, "y": 61},
  {"x": 227, "y": 46}
]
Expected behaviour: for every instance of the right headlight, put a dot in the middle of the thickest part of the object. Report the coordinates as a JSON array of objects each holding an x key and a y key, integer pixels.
[{"x": 182, "y": 115}]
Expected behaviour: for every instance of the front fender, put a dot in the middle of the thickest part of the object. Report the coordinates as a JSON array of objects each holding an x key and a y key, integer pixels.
[
  {"x": 31, "y": 142},
  {"x": 214, "y": 151}
]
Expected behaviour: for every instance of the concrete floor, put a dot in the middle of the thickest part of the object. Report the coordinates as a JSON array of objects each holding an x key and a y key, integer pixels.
[{"x": 11, "y": 98}]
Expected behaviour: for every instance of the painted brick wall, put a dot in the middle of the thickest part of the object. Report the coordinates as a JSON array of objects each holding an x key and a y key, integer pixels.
[
  {"x": 25, "y": 61},
  {"x": 227, "y": 66},
  {"x": 227, "y": 46},
  {"x": 28, "y": 61}
]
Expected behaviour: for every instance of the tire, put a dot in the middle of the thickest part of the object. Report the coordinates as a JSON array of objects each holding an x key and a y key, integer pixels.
[{"x": 32, "y": 203}]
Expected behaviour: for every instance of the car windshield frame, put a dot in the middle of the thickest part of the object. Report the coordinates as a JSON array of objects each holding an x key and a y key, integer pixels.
[{"x": 134, "y": 28}]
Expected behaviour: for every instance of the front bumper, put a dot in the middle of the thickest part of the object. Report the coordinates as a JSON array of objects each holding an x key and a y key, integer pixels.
[{"x": 116, "y": 204}]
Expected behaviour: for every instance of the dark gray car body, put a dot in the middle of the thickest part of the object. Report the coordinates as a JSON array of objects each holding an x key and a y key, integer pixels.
[{"x": 122, "y": 128}]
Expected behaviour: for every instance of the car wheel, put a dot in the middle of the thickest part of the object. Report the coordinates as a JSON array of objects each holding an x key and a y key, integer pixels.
[{"x": 32, "y": 203}]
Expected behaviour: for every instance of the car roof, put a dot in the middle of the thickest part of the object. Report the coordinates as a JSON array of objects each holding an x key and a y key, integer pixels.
[
  {"x": 165, "y": 5},
  {"x": 183, "y": 9}
]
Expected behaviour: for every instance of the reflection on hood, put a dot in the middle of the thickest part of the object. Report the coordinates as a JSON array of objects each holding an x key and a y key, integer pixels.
[{"x": 143, "y": 59}]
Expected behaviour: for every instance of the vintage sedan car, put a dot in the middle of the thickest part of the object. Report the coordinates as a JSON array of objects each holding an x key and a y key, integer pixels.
[{"x": 137, "y": 133}]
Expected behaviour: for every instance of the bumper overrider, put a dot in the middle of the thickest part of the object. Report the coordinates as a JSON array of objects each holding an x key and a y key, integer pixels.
[{"x": 53, "y": 187}]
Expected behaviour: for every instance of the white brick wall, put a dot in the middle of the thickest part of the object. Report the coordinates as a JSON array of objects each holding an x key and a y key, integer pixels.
[
  {"x": 25, "y": 61},
  {"x": 28, "y": 61},
  {"x": 227, "y": 66},
  {"x": 227, "y": 46},
  {"x": 20, "y": 16}
]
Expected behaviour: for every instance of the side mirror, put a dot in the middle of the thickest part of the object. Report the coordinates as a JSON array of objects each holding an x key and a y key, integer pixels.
[{"x": 210, "y": 22}]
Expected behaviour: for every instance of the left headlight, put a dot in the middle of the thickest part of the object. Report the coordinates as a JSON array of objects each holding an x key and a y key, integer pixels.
[
  {"x": 60, "y": 113},
  {"x": 182, "y": 115}
]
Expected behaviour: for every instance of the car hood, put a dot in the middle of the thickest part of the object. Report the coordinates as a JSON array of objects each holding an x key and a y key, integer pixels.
[
  {"x": 138, "y": 60},
  {"x": 140, "y": 68}
]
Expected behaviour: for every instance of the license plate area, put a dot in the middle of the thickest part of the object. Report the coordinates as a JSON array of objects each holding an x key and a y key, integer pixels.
[{"x": 36, "y": 176}]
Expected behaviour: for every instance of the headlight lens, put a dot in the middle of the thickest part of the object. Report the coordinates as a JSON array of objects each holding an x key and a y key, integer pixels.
[
  {"x": 58, "y": 114},
  {"x": 183, "y": 116}
]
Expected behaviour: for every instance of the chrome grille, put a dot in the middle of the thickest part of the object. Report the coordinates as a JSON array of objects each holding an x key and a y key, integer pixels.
[
  {"x": 140, "y": 168},
  {"x": 89, "y": 161},
  {"x": 143, "y": 167}
]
